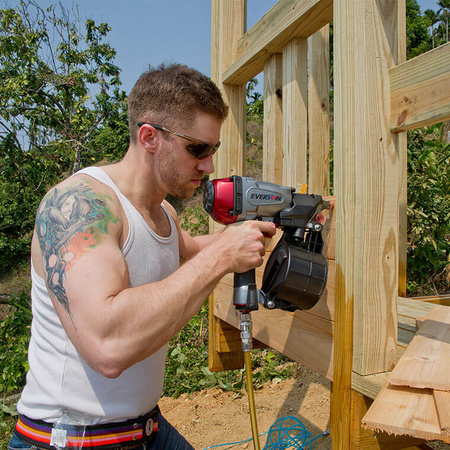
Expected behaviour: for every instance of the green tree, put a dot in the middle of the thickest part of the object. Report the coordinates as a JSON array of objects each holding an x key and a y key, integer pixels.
[
  {"x": 433, "y": 19},
  {"x": 55, "y": 97},
  {"x": 445, "y": 9},
  {"x": 428, "y": 211},
  {"x": 417, "y": 37}
]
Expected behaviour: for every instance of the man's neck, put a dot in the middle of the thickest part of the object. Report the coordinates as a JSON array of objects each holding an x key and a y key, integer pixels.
[{"x": 135, "y": 180}]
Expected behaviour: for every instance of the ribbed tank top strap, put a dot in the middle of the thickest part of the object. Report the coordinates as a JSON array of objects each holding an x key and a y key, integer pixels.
[{"x": 131, "y": 212}]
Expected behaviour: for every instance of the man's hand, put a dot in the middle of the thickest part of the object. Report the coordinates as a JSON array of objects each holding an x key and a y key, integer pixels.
[{"x": 243, "y": 245}]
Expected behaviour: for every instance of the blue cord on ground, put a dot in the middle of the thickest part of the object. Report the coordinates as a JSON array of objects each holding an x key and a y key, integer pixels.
[{"x": 286, "y": 433}]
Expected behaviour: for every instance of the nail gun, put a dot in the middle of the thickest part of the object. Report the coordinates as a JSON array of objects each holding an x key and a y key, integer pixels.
[{"x": 296, "y": 271}]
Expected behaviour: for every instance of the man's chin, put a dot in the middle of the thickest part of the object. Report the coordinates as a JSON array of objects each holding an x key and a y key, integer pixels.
[{"x": 183, "y": 195}]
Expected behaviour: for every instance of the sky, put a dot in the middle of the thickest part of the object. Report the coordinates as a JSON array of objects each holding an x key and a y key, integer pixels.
[{"x": 150, "y": 32}]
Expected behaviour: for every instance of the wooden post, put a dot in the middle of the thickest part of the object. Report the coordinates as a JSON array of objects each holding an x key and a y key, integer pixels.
[
  {"x": 295, "y": 120},
  {"x": 228, "y": 24},
  {"x": 273, "y": 120},
  {"x": 319, "y": 112},
  {"x": 366, "y": 188}
]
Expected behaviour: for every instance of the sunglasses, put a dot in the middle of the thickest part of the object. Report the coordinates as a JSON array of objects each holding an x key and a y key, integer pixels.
[{"x": 199, "y": 149}]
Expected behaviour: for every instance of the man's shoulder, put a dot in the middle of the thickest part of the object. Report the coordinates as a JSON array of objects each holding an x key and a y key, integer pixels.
[{"x": 81, "y": 199}]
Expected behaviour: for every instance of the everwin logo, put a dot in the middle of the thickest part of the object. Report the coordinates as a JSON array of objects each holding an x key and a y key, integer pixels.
[{"x": 268, "y": 197}]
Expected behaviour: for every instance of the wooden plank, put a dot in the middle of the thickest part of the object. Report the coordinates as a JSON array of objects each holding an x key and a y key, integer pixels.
[
  {"x": 426, "y": 361},
  {"x": 409, "y": 310},
  {"x": 367, "y": 439},
  {"x": 273, "y": 120},
  {"x": 401, "y": 144},
  {"x": 286, "y": 20},
  {"x": 218, "y": 362},
  {"x": 329, "y": 229},
  {"x": 300, "y": 336},
  {"x": 366, "y": 188},
  {"x": 228, "y": 23},
  {"x": 325, "y": 306},
  {"x": 420, "y": 90},
  {"x": 295, "y": 119},
  {"x": 369, "y": 385},
  {"x": 319, "y": 112},
  {"x": 401, "y": 410},
  {"x": 442, "y": 401},
  {"x": 436, "y": 299},
  {"x": 366, "y": 180}
]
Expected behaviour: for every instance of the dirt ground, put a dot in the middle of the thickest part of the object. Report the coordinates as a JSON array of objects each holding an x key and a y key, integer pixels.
[{"x": 215, "y": 417}]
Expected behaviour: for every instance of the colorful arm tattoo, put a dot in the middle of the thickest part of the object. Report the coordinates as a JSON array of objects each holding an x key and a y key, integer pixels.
[{"x": 69, "y": 222}]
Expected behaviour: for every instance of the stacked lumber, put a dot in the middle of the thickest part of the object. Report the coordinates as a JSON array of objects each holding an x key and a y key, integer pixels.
[{"x": 416, "y": 399}]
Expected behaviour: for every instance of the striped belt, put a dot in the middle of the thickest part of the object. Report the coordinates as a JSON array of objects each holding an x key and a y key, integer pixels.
[{"x": 130, "y": 433}]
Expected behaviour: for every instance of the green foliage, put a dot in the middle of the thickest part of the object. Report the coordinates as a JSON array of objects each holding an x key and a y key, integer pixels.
[
  {"x": 428, "y": 211},
  {"x": 194, "y": 220},
  {"x": 255, "y": 102},
  {"x": 56, "y": 110},
  {"x": 14, "y": 338},
  {"x": 417, "y": 36}
]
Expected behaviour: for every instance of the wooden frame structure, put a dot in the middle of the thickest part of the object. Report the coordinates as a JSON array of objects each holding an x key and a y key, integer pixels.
[{"x": 363, "y": 322}]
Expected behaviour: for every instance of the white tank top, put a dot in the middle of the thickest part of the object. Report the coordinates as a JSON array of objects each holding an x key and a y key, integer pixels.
[{"x": 58, "y": 378}]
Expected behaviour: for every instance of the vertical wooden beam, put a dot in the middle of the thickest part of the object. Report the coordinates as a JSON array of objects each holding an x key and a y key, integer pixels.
[
  {"x": 401, "y": 145},
  {"x": 273, "y": 120},
  {"x": 366, "y": 188},
  {"x": 319, "y": 112},
  {"x": 228, "y": 24},
  {"x": 295, "y": 123}
]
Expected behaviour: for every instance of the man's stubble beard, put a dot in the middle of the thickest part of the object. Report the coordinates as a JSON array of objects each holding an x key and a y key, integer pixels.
[{"x": 170, "y": 175}]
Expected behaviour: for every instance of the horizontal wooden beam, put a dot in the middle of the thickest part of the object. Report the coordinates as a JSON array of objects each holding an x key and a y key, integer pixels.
[
  {"x": 420, "y": 90},
  {"x": 303, "y": 337},
  {"x": 286, "y": 20}
]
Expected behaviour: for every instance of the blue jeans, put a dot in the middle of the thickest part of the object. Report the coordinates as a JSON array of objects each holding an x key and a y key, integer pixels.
[{"x": 167, "y": 438}]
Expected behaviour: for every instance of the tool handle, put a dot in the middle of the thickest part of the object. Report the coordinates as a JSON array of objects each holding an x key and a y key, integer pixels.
[{"x": 245, "y": 293}]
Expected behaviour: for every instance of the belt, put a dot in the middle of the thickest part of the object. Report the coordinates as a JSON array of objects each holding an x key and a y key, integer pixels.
[{"x": 130, "y": 433}]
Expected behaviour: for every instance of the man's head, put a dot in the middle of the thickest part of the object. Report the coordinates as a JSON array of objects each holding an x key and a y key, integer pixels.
[{"x": 173, "y": 95}]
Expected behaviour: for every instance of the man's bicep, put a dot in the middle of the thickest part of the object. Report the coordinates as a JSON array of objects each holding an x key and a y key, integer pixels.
[{"x": 72, "y": 221}]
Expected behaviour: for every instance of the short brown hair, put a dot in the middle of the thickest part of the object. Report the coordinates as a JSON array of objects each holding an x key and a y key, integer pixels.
[{"x": 173, "y": 94}]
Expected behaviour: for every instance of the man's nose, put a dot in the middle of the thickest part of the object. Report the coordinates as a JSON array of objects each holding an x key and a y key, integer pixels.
[{"x": 206, "y": 165}]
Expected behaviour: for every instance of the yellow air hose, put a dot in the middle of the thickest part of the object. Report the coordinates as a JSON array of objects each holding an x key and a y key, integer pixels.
[
  {"x": 246, "y": 338},
  {"x": 251, "y": 399}
]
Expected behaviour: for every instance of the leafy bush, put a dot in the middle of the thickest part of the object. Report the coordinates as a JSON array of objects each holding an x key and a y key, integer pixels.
[
  {"x": 14, "y": 338},
  {"x": 428, "y": 211}
]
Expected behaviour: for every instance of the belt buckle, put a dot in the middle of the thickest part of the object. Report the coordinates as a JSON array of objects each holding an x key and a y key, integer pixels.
[
  {"x": 148, "y": 427},
  {"x": 150, "y": 420}
]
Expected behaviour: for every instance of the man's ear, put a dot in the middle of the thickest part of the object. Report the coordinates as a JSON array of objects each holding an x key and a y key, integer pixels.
[{"x": 148, "y": 138}]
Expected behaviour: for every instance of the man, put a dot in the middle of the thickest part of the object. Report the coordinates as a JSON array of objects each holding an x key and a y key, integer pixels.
[{"x": 107, "y": 290}]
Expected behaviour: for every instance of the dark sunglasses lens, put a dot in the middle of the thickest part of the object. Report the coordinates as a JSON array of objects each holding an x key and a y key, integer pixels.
[{"x": 200, "y": 151}]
